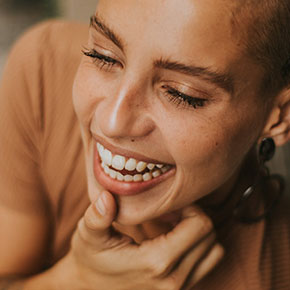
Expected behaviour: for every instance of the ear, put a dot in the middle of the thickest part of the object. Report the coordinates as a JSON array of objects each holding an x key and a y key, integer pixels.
[{"x": 278, "y": 123}]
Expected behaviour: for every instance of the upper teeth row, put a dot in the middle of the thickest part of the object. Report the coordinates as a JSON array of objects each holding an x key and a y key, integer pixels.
[{"x": 120, "y": 162}]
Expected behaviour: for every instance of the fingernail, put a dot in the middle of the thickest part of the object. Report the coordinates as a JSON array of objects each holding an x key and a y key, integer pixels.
[{"x": 101, "y": 206}]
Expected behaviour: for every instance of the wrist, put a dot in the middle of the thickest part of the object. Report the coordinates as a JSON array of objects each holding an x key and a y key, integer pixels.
[{"x": 62, "y": 275}]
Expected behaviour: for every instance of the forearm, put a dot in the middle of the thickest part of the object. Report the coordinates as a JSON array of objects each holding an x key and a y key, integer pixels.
[
  {"x": 31, "y": 283},
  {"x": 59, "y": 277},
  {"x": 11, "y": 284}
]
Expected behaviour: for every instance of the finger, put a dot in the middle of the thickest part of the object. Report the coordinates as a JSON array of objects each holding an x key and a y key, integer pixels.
[
  {"x": 205, "y": 266},
  {"x": 194, "y": 226},
  {"x": 164, "y": 251},
  {"x": 182, "y": 267},
  {"x": 95, "y": 226},
  {"x": 193, "y": 256}
]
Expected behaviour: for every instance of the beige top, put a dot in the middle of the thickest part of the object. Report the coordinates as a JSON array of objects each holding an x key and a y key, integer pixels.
[{"x": 42, "y": 162}]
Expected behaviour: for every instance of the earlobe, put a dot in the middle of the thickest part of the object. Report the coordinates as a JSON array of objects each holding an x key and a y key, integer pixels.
[
  {"x": 280, "y": 133},
  {"x": 278, "y": 124}
]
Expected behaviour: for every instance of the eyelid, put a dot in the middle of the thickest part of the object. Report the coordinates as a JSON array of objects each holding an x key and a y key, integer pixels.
[
  {"x": 187, "y": 90},
  {"x": 183, "y": 101},
  {"x": 101, "y": 61},
  {"x": 98, "y": 41},
  {"x": 106, "y": 52},
  {"x": 103, "y": 51}
]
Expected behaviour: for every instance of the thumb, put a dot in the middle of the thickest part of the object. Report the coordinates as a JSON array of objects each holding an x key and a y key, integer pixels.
[{"x": 95, "y": 226}]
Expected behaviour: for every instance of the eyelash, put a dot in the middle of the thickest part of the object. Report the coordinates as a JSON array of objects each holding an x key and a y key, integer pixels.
[
  {"x": 102, "y": 61},
  {"x": 174, "y": 96},
  {"x": 183, "y": 100}
]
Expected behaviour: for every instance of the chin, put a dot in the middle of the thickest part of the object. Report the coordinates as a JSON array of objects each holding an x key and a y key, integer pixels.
[
  {"x": 140, "y": 201},
  {"x": 137, "y": 200}
]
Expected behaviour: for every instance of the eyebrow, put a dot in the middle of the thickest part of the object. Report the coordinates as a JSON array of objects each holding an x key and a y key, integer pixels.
[
  {"x": 97, "y": 23},
  {"x": 222, "y": 80}
]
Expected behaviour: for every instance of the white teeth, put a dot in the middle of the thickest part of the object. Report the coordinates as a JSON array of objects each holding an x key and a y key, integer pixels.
[
  {"x": 102, "y": 149},
  {"x": 137, "y": 177},
  {"x": 128, "y": 178},
  {"x": 141, "y": 166},
  {"x": 107, "y": 169},
  {"x": 147, "y": 176},
  {"x": 113, "y": 174},
  {"x": 120, "y": 176},
  {"x": 131, "y": 164},
  {"x": 107, "y": 157},
  {"x": 150, "y": 166},
  {"x": 118, "y": 162},
  {"x": 156, "y": 173},
  {"x": 165, "y": 169}
]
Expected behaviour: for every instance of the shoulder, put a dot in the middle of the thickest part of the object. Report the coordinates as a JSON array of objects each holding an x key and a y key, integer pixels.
[
  {"x": 43, "y": 63},
  {"x": 37, "y": 82},
  {"x": 53, "y": 35},
  {"x": 276, "y": 247},
  {"x": 278, "y": 222},
  {"x": 48, "y": 46},
  {"x": 45, "y": 50}
]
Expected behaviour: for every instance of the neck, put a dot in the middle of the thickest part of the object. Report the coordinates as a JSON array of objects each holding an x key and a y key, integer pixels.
[{"x": 220, "y": 204}]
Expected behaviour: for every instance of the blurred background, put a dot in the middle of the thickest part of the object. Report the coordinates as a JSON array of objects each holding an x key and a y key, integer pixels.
[{"x": 18, "y": 15}]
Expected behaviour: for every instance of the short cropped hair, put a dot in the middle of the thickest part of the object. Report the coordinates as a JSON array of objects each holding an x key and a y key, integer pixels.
[{"x": 266, "y": 38}]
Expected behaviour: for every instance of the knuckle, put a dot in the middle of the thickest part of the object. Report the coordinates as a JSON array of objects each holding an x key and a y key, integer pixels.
[
  {"x": 81, "y": 227},
  {"x": 158, "y": 266},
  {"x": 170, "y": 283},
  {"x": 206, "y": 225},
  {"x": 219, "y": 251},
  {"x": 90, "y": 222},
  {"x": 80, "y": 224},
  {"x": 81, "y": 234}
]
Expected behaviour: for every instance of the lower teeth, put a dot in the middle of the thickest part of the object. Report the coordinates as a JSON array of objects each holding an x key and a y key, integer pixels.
[{"x": 137, "y": 177}]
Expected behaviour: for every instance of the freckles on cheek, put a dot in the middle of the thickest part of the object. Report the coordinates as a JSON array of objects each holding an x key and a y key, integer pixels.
[
  {"x": 204, "y": 145},
  {"x": 197, "y": 149}
]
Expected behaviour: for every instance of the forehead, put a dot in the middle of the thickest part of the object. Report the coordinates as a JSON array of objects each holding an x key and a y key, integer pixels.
[{"x": 199, "y": 29}]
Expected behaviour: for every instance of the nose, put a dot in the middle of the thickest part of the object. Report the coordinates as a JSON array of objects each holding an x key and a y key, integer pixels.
[{"x": 126, "y": 112}]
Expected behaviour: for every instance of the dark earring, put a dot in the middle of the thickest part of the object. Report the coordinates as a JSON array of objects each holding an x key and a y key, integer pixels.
[
  {"x": 267, "y": 150},
  {"x": 265, "y": 153}
]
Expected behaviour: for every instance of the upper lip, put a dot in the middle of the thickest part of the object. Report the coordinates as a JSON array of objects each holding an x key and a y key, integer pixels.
[{"x": 124, "y": 152}]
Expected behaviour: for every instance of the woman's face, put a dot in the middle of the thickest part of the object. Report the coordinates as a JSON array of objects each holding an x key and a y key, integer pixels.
[{"x": 165, "y": 82}]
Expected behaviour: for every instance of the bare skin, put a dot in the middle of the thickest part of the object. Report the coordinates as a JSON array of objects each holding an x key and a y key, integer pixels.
[{"x": 127, "y": 99}]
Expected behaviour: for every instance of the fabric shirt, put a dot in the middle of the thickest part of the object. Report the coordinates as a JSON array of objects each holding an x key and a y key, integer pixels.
[{"x": 42, "y": 164}]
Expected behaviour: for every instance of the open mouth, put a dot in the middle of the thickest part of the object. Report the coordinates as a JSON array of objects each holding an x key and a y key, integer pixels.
[
  {"x": 125, "y": 175},
  {"x": 129, "y": 169}
]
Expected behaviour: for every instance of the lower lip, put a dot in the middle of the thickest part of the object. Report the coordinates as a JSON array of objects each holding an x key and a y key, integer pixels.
[{"x": 125, "y": 188}]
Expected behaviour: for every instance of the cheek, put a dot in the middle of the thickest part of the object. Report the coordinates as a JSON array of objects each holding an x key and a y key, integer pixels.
[
  {"x": 84, "y": 98},
  {"x": 210, "y": 145}
]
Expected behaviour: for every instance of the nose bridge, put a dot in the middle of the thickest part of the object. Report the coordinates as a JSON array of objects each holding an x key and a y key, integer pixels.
[
  {"x": 131, "y": 96},
  {"x": 124, "y": 111}
]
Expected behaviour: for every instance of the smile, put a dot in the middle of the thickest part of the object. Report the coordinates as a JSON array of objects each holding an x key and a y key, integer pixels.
[
  {"x": 127, "y": 175},
  {"x": 129, "y": 169}
]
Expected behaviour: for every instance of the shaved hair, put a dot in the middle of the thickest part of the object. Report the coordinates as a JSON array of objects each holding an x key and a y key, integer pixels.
[{"x": 264, "y": 28}]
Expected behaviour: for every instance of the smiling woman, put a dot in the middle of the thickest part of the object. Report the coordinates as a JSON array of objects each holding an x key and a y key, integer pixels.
[{"x": 141, "y": 163}]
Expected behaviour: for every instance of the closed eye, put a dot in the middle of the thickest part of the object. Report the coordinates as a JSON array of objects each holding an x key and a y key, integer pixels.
[
  {"x": 102, "y": 61},
  {"x": 179, "y": 99}
]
